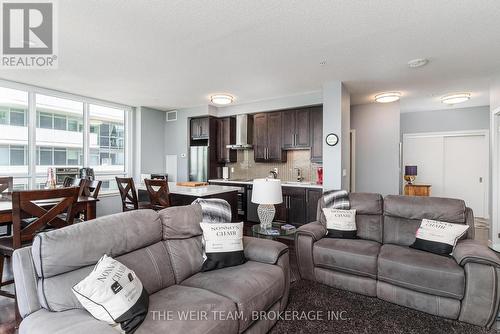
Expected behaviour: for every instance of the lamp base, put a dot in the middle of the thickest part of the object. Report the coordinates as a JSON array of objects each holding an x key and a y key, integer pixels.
[
  {"x": 266, "y": 214},
  {"x": 410, "y": 178}
]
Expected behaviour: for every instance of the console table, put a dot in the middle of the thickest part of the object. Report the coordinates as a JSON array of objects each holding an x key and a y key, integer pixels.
[{"x": 417, "y": 189}]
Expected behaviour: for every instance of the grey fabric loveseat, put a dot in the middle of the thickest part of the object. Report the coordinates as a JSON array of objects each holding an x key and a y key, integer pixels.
[
  {"x": 165, "y": 251},
  {"x": 379, "y": 263}
]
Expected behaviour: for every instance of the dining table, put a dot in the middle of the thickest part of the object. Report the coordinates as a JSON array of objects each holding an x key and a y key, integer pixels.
[{"x": 85, "y": 204}]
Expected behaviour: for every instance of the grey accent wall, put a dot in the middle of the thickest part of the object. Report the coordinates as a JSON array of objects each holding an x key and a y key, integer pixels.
[
  {"x": 377, "y": 147},
  {"x": 474, "y": 118},
  {"x": 152, "y": 143}
]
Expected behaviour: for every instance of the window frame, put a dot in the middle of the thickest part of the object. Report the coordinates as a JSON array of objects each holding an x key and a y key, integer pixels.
[{"x": 32, "y": 122}]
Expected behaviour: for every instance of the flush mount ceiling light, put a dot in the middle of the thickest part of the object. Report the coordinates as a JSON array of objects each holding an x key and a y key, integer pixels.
[
  {"x": 419, "y": 62},
  {"x": 387, "y": 97},
  {"x": 221, "y": 99},
  {"x": 455, "y": 98}
]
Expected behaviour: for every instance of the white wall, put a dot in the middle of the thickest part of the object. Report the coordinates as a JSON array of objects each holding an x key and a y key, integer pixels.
[
  {"x": 377, "y": 147},
  {"x": 495, "y": 164},
  {"x": 176, "y": 138},
  {"x": 336, "y": 117}
]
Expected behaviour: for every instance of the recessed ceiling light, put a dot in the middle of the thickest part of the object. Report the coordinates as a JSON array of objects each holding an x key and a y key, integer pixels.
[
  {"x": 387, "y": 97},
  {"x": 455, "y": 98},
  {"x": 221, "y": 99},
  {"x": 419, "y": 62}
]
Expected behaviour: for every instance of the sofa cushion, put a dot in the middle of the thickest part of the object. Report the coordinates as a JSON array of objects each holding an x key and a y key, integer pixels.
[
  {"x": 182, "y": 309},
  {"x": 81, "y": 245},
  {"x": 403, "y": 215},
  {"x": 181, "y": 222},
  {"x": 421, "y": 271},
  {"x": 369, "y": 211},
  {"x": 353, "y": 256},
  {"x": 253, "y": 286}
]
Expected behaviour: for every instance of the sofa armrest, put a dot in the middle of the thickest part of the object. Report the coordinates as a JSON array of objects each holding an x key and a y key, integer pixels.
[
  {"x": 263, "y": 250},
  {"x": 471, "y": 251},
  {"x": 316, "y": 230},
  {"x": 73, "y": 321},
  {"x": 26, "y": 281}
]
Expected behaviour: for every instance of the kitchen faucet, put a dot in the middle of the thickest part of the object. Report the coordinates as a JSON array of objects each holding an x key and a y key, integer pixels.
[{"x": 273, "y": 173}]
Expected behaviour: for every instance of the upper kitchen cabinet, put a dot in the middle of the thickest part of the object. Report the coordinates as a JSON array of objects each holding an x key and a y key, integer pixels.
[
  {"x": 316, "y": 133},
  {"x": 268, "y": 137},
  {"x": 295, "y": 130},
  {"x": 226, "y": 135},
  {"x": 200, "y": 128}
]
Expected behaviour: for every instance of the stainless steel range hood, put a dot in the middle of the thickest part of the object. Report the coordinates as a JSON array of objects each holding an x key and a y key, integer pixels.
[{"x": 244, "y": 133}]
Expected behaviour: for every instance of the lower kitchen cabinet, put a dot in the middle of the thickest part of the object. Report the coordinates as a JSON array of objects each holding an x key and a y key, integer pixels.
[{"x": 298, "y": 208}]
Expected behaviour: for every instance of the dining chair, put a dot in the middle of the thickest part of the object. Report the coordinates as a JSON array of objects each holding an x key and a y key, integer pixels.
[
  {"x": 44, "y": 209},
  {"x": 6, "y": 184},
  {"x": 159, "y": 177},
  {"x": 92, "y": 188},
  {"x": 159, "y": 194},
  {"x": 128, "y": 194},
  {"x": 6, "y": 187}
]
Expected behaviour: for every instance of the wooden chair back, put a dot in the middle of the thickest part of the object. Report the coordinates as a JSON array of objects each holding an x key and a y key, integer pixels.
[
  {"x": 128, "y": 194},
  {"x": 92, "y": 188},
  {"x": 159, "y": 194},
  {"x": 83, "y": 184},
  {"x": 6, "y": 184},
  {"x": 45, "y": 206}
]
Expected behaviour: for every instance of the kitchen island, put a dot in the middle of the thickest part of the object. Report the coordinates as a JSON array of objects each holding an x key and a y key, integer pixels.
[{"x": 181, "y": 195}]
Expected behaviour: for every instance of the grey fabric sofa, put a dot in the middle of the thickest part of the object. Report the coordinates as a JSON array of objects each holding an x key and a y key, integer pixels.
[
  {"x": 463, "y": 286},
  {"x": 165, "y": 251}
]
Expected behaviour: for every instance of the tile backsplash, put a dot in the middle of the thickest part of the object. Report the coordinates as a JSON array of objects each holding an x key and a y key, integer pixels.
[{"x": 247, "y": 168}]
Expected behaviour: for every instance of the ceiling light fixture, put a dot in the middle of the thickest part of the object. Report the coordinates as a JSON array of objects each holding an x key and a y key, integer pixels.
[
  {"x": 419, "y": 62},
  {"x": 221, "y": 99},
  {"x": 455, "y": 98},
  {"x": 387, "y": 97}
]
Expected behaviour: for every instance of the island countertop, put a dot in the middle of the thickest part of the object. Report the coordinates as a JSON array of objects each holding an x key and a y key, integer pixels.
[{"x": 203, "y": 191}]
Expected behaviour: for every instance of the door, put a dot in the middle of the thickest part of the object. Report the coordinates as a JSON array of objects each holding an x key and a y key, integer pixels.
[
  {"x": 302, "y": 138},
  {"x": 260, "y": 137},
  {"x": 288, "y": 129},
  {"x": 316, "y": 119},
  {"x": 465, "y": 168},
  {"x": 454, "y": 164},
  {"x": 274, "y": 148}
]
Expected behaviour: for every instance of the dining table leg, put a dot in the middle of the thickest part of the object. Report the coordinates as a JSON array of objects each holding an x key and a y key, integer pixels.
[{"x": 90, "y": 210}]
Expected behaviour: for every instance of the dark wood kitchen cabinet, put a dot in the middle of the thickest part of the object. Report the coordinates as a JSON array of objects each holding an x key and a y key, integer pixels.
[
  {"x": 312, "y": 198},
  {"x": 293, "y": 208},
  {"x": 316, "y": 133},
  {"x": 267, "y": 137},
  {"x": 226, "y": 135},
  {"x": 295, "y": 130},
  {"x": 200, "y": 128}
]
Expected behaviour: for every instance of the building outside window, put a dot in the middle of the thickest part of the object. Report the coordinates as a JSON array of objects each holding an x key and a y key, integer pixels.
[{"x": 59, "y": 133}]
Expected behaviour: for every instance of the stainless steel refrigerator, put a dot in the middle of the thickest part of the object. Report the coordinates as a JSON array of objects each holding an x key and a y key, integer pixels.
[{"x": 198, "y": 163}]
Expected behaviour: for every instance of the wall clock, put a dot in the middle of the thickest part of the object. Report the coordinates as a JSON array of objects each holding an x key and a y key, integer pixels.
[{"x": 332, "y": 139}]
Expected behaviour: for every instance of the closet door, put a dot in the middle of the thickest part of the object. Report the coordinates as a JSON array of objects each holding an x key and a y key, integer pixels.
[
  {"x": 426, "y": 153},
  {"x": 465, "y": 171}
]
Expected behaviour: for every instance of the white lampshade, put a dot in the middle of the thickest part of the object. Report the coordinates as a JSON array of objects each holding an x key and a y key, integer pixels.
[{"x": 267, "y": 191}]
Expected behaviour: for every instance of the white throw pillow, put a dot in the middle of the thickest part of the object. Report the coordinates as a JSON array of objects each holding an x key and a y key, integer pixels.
[
  {"x": 438, "y": 237},
  {"x": 340, "y": 223},
  {"x": 223, "y": 245},
  {"x": 114, "y": 294}
]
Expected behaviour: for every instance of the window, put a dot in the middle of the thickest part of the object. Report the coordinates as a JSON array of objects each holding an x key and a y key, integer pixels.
[
  {"x": 107, "y": 125},
  {"x": 63, "y": 115},
  {"x": 13, "y": 132},
  {"x": 59, "y": 135}
]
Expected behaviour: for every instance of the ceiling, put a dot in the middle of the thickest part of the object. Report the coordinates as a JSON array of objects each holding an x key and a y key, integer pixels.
[{"x": 175, "y": 53}]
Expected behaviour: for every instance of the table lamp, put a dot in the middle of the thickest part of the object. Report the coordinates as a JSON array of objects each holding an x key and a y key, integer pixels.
[
  {"x": 410, "y": 174},
  {"x": 266, "y": 193}
]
